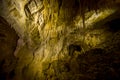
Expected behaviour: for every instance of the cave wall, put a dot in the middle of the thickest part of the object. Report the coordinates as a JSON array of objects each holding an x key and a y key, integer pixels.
[
  {"x": 54, "y": 33},
  {"x": 8, "y": 43}
]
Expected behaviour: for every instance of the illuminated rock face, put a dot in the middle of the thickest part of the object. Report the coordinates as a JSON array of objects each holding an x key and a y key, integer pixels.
[{"x": 54, "y": 43}]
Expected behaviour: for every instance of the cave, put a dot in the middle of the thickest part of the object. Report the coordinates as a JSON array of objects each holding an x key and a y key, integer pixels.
[{"x": 59, "y": 40}]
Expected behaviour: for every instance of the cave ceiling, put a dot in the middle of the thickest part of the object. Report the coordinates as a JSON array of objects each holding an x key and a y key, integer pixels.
[{"x": 59, "y": 39}]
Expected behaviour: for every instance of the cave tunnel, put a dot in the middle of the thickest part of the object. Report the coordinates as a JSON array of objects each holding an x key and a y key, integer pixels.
[{"x": 59, "y": 40}]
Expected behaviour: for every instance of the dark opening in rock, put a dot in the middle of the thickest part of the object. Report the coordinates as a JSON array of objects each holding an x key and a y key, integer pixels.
[
  {"x": 73, "y": 48},
  {"x": 114, "y": 25}
]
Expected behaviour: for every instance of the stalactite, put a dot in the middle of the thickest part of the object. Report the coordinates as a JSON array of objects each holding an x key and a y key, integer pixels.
[{"x": 93, "y": 5}]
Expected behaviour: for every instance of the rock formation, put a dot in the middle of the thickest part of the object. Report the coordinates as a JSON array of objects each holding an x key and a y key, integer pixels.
[{"x": 59, "y": 40}]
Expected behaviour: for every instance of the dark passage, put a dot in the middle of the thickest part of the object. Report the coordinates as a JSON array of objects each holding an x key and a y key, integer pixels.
[{"x": 73, "y": 48}]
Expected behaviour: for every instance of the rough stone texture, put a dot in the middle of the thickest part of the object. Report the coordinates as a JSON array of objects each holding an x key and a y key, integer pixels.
[
  {"x": 60, "y": 41},
  {"x": 8, "y": 43}
]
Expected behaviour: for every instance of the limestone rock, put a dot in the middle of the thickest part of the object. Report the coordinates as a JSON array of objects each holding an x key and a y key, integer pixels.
[{"x": 60, "y": 39}]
